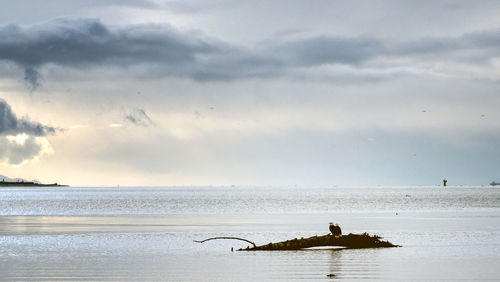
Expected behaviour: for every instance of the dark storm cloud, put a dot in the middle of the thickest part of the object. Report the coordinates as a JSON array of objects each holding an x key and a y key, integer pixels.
[
  {"x": 139, "y": 117},
  {"x": 82, "y": 43},
  {"x": 10, "y": 124},
  {"x": 166, "y": 52}
]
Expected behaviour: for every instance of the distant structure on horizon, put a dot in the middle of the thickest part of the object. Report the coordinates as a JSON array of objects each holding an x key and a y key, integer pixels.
[{"x": 493, "y": 183}]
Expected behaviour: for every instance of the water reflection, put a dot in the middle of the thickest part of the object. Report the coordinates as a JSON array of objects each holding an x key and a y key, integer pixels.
[
  {"x": 335, "y": 266},
  {"x": 354, "y": 264}
]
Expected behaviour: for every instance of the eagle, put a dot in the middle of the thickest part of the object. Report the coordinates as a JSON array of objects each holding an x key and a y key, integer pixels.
[{"x": 335, "y": 229}]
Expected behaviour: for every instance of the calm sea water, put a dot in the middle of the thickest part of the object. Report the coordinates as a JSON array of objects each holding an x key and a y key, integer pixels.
[{"x": 142, "y": 233}]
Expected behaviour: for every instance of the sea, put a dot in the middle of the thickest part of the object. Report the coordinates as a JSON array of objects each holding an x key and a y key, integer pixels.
[{"x": 148, "y": 233}]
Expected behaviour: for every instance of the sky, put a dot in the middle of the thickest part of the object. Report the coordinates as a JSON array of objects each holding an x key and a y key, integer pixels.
[{"x": 231, "y": 92}]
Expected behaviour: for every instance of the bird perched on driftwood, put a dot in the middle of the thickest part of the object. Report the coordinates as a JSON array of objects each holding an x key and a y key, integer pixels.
[{"x": 335, "y": 229}]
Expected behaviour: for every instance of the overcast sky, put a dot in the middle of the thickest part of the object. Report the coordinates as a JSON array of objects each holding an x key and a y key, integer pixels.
[{"x": 222, "y": 92}]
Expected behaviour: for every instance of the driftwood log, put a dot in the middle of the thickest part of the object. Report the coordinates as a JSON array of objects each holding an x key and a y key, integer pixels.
[{"x": 351, "y": 241}]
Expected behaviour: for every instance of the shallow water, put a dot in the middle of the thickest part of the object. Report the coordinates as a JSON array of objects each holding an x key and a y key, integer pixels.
[{"x": 136, "y": 233}]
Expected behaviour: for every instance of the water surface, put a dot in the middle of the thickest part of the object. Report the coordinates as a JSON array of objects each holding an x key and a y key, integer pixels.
[{"x": 139, "y": 233}]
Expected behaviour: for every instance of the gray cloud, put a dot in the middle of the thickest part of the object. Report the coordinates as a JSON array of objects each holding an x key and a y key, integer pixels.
[
  {"x": 166, "y": 52},
  {"x": 326, "y": 50},
  {"x": 139, "y": 117},
  {"x": 15, "y": 153},
  {"x": 82, "y": 43},
  {"x": 31, "y": 78},
  {"x": 481, "y": 45},
  {"x": 10, "y": 124}
]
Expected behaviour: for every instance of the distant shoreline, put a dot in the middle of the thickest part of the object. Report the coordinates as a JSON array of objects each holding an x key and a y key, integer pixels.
[{"x": 28, "y": 184}]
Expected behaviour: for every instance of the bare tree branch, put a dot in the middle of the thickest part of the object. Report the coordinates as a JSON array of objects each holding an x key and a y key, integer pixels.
[{"x": 229, "y": 238}]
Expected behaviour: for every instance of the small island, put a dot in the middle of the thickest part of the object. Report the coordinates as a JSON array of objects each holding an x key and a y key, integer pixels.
[
  {"x": 350, "y": 241},
  {"x": 23, "y": 183}
]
